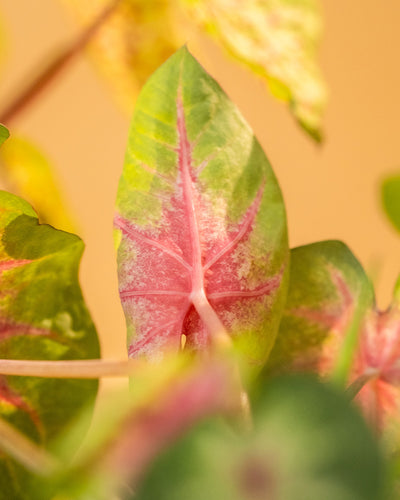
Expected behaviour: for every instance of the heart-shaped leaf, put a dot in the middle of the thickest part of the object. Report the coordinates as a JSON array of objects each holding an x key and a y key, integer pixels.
[
  {"x": 42, "y": 316},
  {"x": 200, "y": 219},
  {"x": 307, "y": 443}
]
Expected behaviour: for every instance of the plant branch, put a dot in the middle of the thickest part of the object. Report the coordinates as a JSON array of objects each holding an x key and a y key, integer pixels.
[
  {"x": 25, "y": 451},
  {"x": 55, "y": 67},
  {"x": 89, "y": 368}
]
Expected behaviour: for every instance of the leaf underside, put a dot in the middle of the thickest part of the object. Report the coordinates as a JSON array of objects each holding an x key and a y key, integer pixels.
[
  {"x": 42, "y": 316},
  {"x": 199, "y": 215}
]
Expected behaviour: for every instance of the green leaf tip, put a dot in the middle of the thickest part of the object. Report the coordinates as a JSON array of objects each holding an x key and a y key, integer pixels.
[
  {"x": 390, "y": 197},
  {"x": 4, "y": 134}
]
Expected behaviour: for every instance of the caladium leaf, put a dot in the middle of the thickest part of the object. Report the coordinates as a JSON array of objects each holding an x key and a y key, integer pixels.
[
  {"x": 390, "y": 193},
  {"x": 327, "y": 284},
  {"x": 42, "y": 316},
  {"x": 29, "y": 174},
  {"x": 277, "y": 39},
  {"x": 327, "y": 288},
  {"x": 201, "y": 222},
  {"x": 306, "y": 443},
  {"x": 137, "y": 39}
]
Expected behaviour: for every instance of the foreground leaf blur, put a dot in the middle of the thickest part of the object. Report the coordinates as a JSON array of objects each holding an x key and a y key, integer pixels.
[
  {"x": 328, "y": 290},
  {"x": 307, "y": 443}
]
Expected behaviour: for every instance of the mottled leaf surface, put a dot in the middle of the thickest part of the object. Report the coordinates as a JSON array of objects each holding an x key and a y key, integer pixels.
[
  {"x": 31, "y": 175},
  {"x": 390, "y": 193},
  {"x": 278, "y": 40},
  {"x": 307, "y": 443},
  {"x": 326, "y": 285},
  {"x": 199, "y": 217},
  {"x": 42, "y": 316},
  {"x": 328, "y": 288}
]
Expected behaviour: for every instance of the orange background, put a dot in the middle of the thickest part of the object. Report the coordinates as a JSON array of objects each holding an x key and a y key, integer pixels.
[{"x": 330, "y": 191}]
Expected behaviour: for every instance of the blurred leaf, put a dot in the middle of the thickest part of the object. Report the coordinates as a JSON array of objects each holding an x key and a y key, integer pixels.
[
  {"x": 42, "y": 316},
  {"x": 4, "y": 134},
  {"x": 202, "y": 221},
  {"x": 30, "y": 174},
  {"x": 131, "y": 430},
  {"x": 391, "y": 199},
  {"x": 331, "y": 313},
  {"x": 307, "y": 443},
  {"x": 326, "y": 285},
  {"x": 137, "y": 39},
  {"x": 276, "y": 39}
]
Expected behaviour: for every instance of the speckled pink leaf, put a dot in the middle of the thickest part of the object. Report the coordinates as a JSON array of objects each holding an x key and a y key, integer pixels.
[
  {"x": 327, "y": 286},
  {"x": 201, "y": 222}
]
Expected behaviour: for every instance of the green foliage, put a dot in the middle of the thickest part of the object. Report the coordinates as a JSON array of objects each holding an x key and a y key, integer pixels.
[
  {"x": 306, "y": 443},
  {"x": 390, "y": 193},
  {"x": 276, "y": 39},
  {"x": 31, "y": 175},
  {"x": 327, "y": 288},
  {"x": 202, "y": 255},
  {"x": 42, "y": 316},
  {"x": 4, "y": 134},
  {"x": 198, "y": 212}
]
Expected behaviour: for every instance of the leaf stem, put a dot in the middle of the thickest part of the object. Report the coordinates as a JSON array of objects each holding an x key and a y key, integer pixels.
[
  {"x": 88, "y": 368},
  {"x": 219, "y": 335},
  {"x": 355, "y": 387},
  {"x": 54, "y": 68},
  {"x": 25, "y": 451}
]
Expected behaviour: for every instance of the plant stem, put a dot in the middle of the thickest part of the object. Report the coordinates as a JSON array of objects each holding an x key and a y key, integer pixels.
[
  {"x": 218, "y": 333},
  {"x": 54, "y": 68},
  {"x": 25, "y": 451},
  {"x": 356, "y": 386},
  {"x": 222, "y": 342},
  {"x": 89, "y": 368}
]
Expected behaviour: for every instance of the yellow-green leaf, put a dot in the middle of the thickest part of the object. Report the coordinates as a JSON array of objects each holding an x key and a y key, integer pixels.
[
  {"x": 137, "y": 38},
  {"x": 29, "y": 174},
  {"x": 276, "y": 39}
]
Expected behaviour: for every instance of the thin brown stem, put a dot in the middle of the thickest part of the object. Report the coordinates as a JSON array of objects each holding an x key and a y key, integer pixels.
[
  {"x": 25, "y": 451},
  {"x": 54, "y": 68},
  {"x": 89, "y": 368}
]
